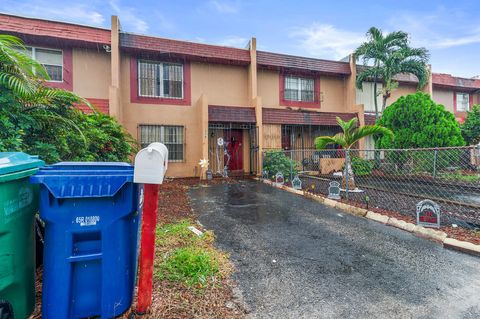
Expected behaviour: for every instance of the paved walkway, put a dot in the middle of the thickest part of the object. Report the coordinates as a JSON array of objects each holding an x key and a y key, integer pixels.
[{"x": 298, "y": 259}]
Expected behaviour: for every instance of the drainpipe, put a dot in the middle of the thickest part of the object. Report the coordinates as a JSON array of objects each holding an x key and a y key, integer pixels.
[{"x": 114, "y": 96}]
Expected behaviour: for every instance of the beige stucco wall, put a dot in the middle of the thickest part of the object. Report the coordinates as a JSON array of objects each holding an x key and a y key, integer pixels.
[
  {"x": 444, "y": 97},
  {"x": 91, "y": 73},
  {"x": 333, "y": 94},
  {"x": 135, "y": 114},
  {"x": 402, "y": 90},
  {"x": 223, "y": 84},
  {"x": 268, "y": 87}
]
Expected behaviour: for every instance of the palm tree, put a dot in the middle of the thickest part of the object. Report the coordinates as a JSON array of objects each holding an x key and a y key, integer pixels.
[
  {"x": 389, "y": 56},
  {"x": 18, "y": 71},
  {"x": 25, "y": 77},
  {"x": 351, "y": 134}
]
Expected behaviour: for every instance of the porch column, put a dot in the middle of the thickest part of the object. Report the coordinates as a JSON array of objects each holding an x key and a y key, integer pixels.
[
  {"x": 352, "y": 105},
  {"x": 255, "y": 100},
  {"x": 114, "y": 96},
  {"x": 202, "y": 107}
]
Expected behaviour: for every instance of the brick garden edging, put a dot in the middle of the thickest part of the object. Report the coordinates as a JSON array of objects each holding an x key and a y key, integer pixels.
[{"x": 436, "y": 235}]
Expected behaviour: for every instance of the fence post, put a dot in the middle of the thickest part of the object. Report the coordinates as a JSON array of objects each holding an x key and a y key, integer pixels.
[
  {"x": 435, "y": 154},
  {"x": 347, "y": 161},
  {"x": 291, "y": 166}
]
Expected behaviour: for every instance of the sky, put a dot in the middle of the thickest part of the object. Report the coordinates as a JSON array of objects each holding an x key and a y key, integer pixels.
[{"x": 450, "y": 30}]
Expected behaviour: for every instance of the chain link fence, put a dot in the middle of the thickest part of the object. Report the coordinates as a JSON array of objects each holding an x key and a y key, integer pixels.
[{"x": 393, "y": 180}]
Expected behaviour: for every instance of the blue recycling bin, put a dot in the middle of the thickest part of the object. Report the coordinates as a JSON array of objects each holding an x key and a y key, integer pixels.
[{"x": 91, "y": 216}]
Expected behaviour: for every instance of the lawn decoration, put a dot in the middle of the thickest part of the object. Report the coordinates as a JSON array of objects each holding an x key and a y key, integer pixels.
[
  {"x": 334, "y": 190},
  {"x": 428, "y": 214},
  {"x": 297, "y": 183}
]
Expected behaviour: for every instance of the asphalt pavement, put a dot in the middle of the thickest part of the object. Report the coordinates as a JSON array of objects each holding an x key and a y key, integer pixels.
[{"x": 296, "y": 258}]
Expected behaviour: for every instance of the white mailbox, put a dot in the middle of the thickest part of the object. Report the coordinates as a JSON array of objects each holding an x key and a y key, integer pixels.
[{"x": 151, "y": 164}]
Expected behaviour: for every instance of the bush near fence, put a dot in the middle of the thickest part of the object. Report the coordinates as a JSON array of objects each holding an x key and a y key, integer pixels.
[{"x": 396, "y": 179}]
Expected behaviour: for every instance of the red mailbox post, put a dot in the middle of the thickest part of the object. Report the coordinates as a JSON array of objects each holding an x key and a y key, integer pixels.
[{"x": 150, "y": 167}]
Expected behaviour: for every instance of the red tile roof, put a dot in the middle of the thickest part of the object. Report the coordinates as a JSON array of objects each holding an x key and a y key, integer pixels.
[
  {"x": 283, "y": 61},
  {"x": 101, "y": 105},
  {"x": 52, "y": 29},
  {"x": 449, "y": 81},
  {"x": 284, "y": 116},
  {"x": 231, "y": 114},
  {"x": 184, "y": 48}
]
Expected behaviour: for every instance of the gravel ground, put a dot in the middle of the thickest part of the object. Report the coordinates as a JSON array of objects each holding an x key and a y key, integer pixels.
[
  {"x": 451, "y": 214},
  {"x": 296, "y": 258}
]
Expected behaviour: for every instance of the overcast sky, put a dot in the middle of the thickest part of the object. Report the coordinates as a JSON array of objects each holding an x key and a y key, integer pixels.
[{"x": 450, "y": 30}]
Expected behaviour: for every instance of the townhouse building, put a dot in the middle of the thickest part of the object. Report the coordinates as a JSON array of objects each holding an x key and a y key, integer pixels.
[{"x": 212, "y": 102}]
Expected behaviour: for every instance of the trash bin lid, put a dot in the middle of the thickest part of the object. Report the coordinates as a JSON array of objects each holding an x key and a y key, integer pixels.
[
  {"x": 84, "y": 179},
  {"x": 14, "y": 165}
]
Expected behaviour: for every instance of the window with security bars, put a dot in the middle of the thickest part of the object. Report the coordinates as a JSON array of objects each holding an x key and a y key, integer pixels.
[
  {"x": 463, "y": 102},
  {"x": 171, "y": 136},
  {"x": 299, "y": 89},
  {"x": 160, "y": 79},
  {"x": 52, "y": 61}
]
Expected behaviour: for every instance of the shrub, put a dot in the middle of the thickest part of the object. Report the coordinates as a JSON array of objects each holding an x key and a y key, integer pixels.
[
  {"x": 61, "y": 133},
  {"x": 276, "y": 161},
  {"x": 418, "y": 122},
  {"x": 362, "y": 167},
  {"x": 471, "y": 126}
]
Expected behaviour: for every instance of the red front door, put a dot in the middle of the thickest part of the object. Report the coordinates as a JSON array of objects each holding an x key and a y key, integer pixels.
[{"x": 234, "y": 150}]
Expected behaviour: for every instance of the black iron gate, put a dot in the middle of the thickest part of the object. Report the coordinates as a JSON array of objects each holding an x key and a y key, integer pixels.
[{"x": 253, "y": 132}]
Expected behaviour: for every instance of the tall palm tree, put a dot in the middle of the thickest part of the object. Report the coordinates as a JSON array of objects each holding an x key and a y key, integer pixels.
[
  {"x": 386, "y": 56},
  {"x": 351, "y": 134}
]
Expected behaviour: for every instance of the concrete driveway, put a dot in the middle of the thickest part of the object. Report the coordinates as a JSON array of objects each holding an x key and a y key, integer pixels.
[{"x": 296, "y": 258}]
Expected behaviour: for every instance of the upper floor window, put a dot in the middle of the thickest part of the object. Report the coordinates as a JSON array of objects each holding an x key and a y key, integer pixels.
[
  {"x": 299, "y": 89},
  {"x": 160, "y": 79},
  {"x": 52, "y": 61},
  {"x": 463, "y": 102}
]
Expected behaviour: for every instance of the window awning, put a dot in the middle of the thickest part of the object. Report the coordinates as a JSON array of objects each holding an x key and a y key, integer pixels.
[{"x": 282, "y": 116}]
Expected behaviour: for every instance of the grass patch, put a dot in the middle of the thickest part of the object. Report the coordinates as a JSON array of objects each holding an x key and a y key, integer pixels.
[
  {"x": 184, "y": 257},
  {"x": 471, "y": 178},
  {"x": 190, "y": 265}
]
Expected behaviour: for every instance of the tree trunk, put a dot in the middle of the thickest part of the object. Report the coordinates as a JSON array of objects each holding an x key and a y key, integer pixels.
[
  {"x": 385, "y": 97},
  {"x": 377, "y": 116},
  {"x": 348, "y": 172}
]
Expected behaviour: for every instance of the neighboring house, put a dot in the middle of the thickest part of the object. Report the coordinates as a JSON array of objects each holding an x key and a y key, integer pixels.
[{"x": 207, "y": 101}]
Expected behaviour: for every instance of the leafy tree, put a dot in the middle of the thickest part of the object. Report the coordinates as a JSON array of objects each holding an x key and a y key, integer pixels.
[
  {"x": 418, "y": 122},
  {"x": 390, "y": 55},
  {"x": 351, "y": 135},
  {"x": 471, "y": 126}
]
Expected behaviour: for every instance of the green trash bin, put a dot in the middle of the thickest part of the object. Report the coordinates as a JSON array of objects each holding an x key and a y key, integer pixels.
[{"x": 18, "y": 205}]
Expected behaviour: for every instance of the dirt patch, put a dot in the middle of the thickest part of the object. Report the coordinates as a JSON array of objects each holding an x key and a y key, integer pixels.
[{"x": 175, "y": 299}]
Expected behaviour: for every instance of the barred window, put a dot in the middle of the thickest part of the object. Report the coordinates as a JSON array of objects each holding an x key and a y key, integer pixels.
[
  {"x": 159, "y": 79},
  {"x": 299, "y": 89},
  {"x": 171, "y": 136},
  {"x": 463, "y": 102},
  {"x": 52, "y": 61}
]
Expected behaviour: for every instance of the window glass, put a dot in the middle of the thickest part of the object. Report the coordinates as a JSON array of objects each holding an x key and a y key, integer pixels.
[
  {"x": 171, "y": 136},
  {"x": 463, "y": 102},
  {"x": 156, "y": 79},
  {"x": 299, "y": 89}
]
